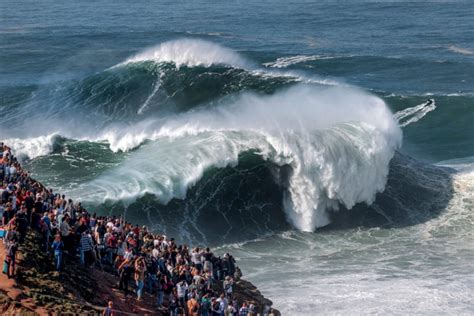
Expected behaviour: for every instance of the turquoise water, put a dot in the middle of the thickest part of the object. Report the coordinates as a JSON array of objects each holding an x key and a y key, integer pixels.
[{"x": 246, "y": 125}]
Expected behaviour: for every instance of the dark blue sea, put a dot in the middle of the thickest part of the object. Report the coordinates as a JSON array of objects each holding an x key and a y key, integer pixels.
[{"x": 328, "y": 145}]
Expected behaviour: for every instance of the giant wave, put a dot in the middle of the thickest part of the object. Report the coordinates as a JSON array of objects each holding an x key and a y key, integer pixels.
[{"x": 337, "y": 140}]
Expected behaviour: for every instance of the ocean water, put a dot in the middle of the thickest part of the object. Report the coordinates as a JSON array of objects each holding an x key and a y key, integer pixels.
[{"x": 328, "y": 145}]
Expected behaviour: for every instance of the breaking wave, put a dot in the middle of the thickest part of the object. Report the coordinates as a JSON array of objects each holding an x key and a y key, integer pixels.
[
  {"x": 338, "y": 143},
  {"x": 32, "y": 147},
  {"x": 191, "y": 53},
  {"x": 186, "y": 107}
]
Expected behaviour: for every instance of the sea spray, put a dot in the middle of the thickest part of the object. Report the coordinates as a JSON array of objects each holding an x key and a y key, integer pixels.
[
  {"x": 338, "y": 142},
  {"x": 33, "y": 147},
  {"x": 190, "y": 52}
]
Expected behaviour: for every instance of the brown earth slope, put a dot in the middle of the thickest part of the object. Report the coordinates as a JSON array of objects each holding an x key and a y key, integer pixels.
[{"x": 37, "y": 289}]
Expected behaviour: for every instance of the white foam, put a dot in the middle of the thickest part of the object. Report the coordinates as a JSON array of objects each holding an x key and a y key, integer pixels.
[
  {"x": 156, "y": 87},
  {"x": 460, "y": 50},
  {"x": 191, "y": 53},
  {"x": 32, "y": 147},
  {"x": 284, "y": 62},
  {"x": 420, "y": 269},
  {"x": 339, "y": 142},
  {"x": 462, "y": 165},
  {"x": 414, "y": 114}
]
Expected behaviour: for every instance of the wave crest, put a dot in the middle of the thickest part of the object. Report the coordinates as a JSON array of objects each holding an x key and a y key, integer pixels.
[
  {"x": 191, "y": 53},
  {"x": 32, "y": 147}
]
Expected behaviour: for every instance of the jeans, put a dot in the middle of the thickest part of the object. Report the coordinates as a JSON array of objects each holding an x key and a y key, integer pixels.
[
  {"x": 150, "y": 283},
  {"x": 160, "y": 298},
  {"x": 46, "y": 242},
  {"x": 83, "y": 262},
  {"x": 161, "y": 265},
  {"x": 58, "y": 256},
  {"x": 139, "y": 288},
  {"x": 110, "y": 256},
  {"x": 174, "y": 312}
]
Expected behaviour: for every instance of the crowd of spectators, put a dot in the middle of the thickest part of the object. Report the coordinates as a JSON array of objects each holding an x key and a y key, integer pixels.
[{"x": 181, "y": 280}]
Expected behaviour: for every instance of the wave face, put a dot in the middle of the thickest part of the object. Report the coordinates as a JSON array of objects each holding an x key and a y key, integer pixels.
[
  {"x": 337, "y": 141},
  {"x": 174, "y": 77},
  {"x": 320, "y": 132}
]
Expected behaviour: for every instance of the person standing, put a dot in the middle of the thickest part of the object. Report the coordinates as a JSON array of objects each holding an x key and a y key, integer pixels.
[
  {"x": 125, "y": 272},
  {"x": 7, "y": 214},
  {"x": 173, "y": 305},
  {"x": 228, "y": 285},
  {"x": 29, "y": 203},
  {"x": 244, "y": 310},
  {"x": 109, "y": 310},
  {"x": 205, "y": 305},
  {"x": 12, "y": 247},
  {"x": 22, "y": 221},
  {"x": 86, "y": 248},
  {"x": 140, "y": 269},
  {"x": 45, "y": 229},
  {"x": 160, "y": 292},
  {"x": 193, "y": 307},
  {"x": 182, "y": 288},
  {"x": 65, "y": 230},
  {"x": 58, "y": 247},
  {"x": 223, "y": 303}
]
